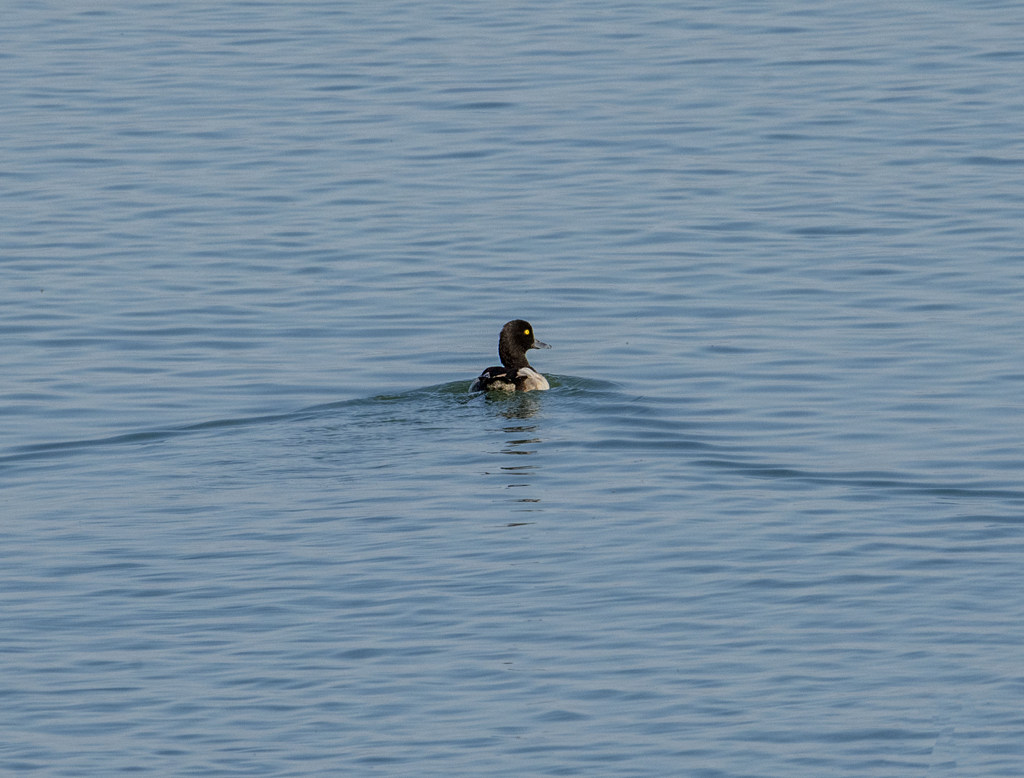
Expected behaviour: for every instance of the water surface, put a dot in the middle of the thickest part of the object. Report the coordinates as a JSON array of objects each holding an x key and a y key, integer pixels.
[{"x": 768, "y": 519}]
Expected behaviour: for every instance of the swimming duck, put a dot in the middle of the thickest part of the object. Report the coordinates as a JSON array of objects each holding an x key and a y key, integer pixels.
[{"x": 516, "y": 374}]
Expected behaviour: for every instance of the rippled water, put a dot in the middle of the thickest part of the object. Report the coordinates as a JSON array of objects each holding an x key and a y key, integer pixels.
[{"x": 769, "y": 519}]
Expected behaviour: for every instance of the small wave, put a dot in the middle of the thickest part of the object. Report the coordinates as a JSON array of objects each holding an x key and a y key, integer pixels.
[
  {"x": 428, "y": 400},
  {"x": 588, "y": 414}
]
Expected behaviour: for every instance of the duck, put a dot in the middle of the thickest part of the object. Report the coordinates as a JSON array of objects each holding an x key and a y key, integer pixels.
[{"x": 515, "y": 374}]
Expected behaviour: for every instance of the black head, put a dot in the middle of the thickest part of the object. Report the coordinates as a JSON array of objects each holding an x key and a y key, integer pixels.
[{"x": 516, "y": 338}]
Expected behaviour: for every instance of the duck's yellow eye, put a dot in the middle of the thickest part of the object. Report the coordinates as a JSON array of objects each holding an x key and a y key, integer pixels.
[{"x": 526, "y": 332}]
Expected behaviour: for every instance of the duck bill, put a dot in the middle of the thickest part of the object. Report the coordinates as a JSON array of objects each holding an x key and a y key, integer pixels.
[{"x": 539, "y": 344}]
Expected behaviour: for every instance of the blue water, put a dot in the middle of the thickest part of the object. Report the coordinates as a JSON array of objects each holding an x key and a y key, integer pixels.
[{"x": 769, "y": 519}]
